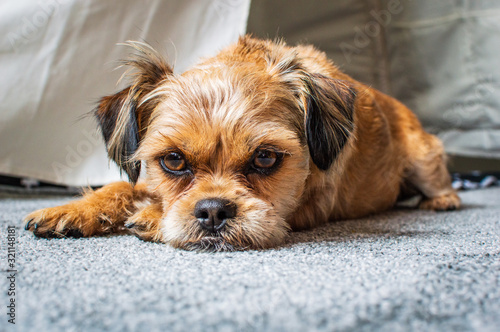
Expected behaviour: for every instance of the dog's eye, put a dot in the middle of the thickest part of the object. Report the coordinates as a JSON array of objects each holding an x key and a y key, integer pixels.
[
  {"x": 173, "y": 162},
  {"x": 265, "y": 159}
]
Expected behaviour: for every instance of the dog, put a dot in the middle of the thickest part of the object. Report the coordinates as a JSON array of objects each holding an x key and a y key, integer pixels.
[{"x": 244, "y": 147}]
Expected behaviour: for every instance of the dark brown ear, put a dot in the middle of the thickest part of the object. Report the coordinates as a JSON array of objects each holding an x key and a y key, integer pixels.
[
  {"x": 327, "y": 103},
  {"x": 124, "y": 116},
  {"x": 329, "y": 119}
]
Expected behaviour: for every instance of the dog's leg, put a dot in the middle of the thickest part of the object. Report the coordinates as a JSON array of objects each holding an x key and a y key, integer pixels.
[
  {"x": 98, "y": 212},
  {"x": 146, "y": 223},
  {"x": 428, "y": 173}
]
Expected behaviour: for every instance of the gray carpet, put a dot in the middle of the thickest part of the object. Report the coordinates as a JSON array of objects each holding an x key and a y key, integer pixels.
[{"x": 400, "y": 271}]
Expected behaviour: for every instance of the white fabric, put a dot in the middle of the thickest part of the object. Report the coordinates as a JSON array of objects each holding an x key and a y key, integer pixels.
[{"x": 57, "y": 59}]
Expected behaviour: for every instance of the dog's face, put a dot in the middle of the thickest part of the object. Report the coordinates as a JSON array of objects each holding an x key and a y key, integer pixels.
[{"x": 229, "y": 145}]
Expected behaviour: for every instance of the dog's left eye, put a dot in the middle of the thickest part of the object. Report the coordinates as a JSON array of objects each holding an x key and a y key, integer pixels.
[
  {"x": 265, "y": 159},
  {"x": 174, "y": 163}
]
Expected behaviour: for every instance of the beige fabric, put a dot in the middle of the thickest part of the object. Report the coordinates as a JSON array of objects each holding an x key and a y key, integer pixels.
[
  {"x": 57, "y": 59},
  {"x": 439, "y": 57}
]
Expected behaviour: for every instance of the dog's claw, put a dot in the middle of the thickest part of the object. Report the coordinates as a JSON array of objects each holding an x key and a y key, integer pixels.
[
  {"x": 129, "y": 224},
  {"x": 28, "y": 224}
]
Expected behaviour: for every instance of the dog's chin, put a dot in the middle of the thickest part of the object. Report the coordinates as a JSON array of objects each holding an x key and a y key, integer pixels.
[{"x": 212, "y": 244}]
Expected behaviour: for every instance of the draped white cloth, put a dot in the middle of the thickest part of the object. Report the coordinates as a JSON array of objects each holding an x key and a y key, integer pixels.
[{"x": 57, "y": 58}]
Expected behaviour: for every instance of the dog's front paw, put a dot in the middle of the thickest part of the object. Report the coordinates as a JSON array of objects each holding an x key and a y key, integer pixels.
[
  {"x": 146, "y": 223},
  {"x": 71, "y": 220},
  {"x": 446, "y": 202}
]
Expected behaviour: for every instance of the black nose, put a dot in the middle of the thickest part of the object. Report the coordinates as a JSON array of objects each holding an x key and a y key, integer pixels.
[{"x": 212, "y": 213}]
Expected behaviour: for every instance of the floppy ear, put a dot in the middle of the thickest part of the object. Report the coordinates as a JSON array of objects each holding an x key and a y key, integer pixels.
[
  {"x": 329, "y": 120},
  {"x": 327, "y": 103},
  {"x": 124, "y": 116}
]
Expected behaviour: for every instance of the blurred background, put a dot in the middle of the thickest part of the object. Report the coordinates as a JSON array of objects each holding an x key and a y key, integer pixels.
[{"x": 57, "y": 58}]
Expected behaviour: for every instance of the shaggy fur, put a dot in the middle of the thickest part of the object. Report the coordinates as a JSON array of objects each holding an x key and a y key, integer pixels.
[{"x": 338, "y": 148}]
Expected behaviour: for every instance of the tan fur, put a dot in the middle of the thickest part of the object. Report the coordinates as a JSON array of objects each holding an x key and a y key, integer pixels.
[{"x": 252, "y": 94}]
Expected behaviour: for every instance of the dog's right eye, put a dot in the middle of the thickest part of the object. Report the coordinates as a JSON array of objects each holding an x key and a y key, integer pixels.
[{"x": 174, "y": 163}]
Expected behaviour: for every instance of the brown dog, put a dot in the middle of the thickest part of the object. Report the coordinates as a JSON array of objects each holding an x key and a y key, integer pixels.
[{"x": 247, "y": 145}]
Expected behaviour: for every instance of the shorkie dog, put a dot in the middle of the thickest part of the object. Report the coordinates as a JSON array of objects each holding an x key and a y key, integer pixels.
[{"x": 259, "y": 140}]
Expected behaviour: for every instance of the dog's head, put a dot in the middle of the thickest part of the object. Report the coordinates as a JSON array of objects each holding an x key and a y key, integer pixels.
[{"x": 228, "y": 145}]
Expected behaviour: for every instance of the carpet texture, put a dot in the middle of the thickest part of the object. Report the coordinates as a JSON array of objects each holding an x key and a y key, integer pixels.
[{"x": 403, "y": 270}]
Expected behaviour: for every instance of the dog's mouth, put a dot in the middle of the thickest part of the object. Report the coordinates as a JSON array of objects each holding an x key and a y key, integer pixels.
[{"x": 212, "y": 244}]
